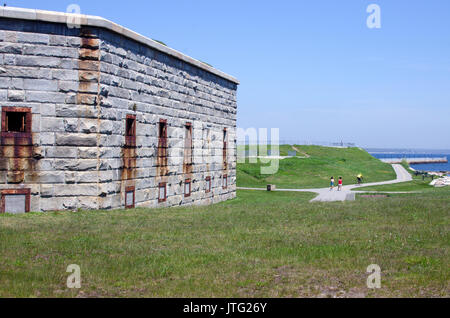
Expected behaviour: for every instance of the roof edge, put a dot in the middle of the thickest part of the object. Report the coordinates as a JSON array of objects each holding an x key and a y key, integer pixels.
[{"x": 95, "y": 21}]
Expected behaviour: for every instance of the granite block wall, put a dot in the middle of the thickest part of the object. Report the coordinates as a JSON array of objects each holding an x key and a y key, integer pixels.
[{"x": 80, "y": 86}]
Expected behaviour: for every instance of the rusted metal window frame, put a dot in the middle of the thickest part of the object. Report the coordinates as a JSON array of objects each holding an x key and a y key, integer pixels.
[
  {"x": 162, "y": 140},
  {"x": 130, "y": 140},
  {"x": 162, "y": 185},
  {"x": 208, "y": 188},
  {"x": 26, "y": 192},
  {"x": 225, "y": 148},
  {"x": 127, "y": 190},
  {"x": 225, "y": 181},
  {"x": 25, "y": 138},
  {"x": 187, "y": 182},
  {"x": 189, "y": 145}
]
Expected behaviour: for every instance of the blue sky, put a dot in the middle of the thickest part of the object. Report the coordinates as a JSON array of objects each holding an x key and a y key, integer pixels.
[{"x": 312, "y": 68}]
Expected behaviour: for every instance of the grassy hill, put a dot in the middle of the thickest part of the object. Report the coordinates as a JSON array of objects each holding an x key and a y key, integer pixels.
[{"x": 316, "y": 171}]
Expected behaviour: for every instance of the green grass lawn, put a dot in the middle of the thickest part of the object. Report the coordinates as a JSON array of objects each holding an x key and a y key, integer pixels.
[
  {"x": 260, "y": 244},
  {"x": 316, "y": 171},
  {"x": 411, "y": 186}
]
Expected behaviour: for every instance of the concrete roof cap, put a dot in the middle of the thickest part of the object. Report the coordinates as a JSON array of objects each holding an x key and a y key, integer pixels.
[{"x": 94, "y": 21}]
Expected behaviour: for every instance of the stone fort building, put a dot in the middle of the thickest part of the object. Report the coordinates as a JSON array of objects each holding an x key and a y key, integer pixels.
[{"x": 99, "y": 117}]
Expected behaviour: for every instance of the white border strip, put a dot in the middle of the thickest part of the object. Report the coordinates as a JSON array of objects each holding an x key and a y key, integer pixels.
[{"x": 94, "y": 21}]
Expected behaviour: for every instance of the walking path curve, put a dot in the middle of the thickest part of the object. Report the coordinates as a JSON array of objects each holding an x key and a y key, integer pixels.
[{"x": 327, "y": 195}]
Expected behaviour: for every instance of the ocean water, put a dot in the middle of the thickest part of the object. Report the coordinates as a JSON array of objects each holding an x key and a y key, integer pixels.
[
  {"x": 415, "y": 153},
  {"x": 433, "y": 166}
]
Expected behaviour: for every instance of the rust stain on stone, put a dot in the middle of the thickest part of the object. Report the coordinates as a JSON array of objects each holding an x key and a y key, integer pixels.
[
  {"x": 128, "y": 163},
  {"x": 187, "y": 170},
  {"x": 225, "y": 151},
  {"x": 17, "y": 159},
  {"x": 208, "y": 149},
  {"x": 128, "y": 173},
  {"x": 188, "y": 158},
  {"x": 88, "y": 39},
  {"x": 89, "y": 89},
  {"x": 162, "y": 169},
  {"x": 162, "y": 162},
  {"x": 88, "y": 68}
]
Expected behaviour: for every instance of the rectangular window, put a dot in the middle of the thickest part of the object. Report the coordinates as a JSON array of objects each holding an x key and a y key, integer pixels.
[
  {"x": 16, "y": 125},
  {"x": 208, "y": 185},
  {"x": 225, "y": 181},
  {"x": 187, "y": 188},
  {"x": 130, "y": 197},
  {"x": 225, "y": 146},
  {"x": 162, "y": 143},
  {"x": 15, "y": 201},
  {"x": 130, "y": 131},
  {"x": 188, "y": 144},
  {"x": 162, "y": 192}
]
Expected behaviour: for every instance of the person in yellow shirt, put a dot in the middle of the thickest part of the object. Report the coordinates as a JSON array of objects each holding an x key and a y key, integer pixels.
[{"x": 359, "y": 177}]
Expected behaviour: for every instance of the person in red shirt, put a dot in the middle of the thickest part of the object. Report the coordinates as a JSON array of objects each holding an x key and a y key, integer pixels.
[{"x": 340, "y": 184}]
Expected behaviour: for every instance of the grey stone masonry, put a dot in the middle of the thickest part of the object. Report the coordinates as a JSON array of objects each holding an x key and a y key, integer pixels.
[{"x": 99, "y": 117}]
